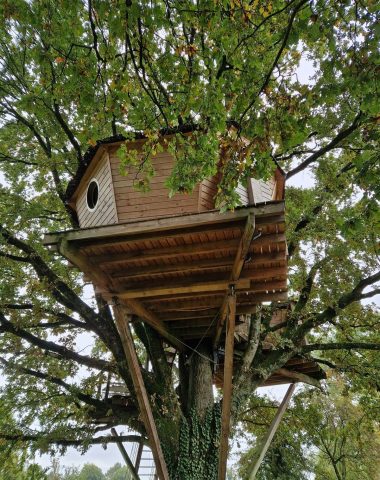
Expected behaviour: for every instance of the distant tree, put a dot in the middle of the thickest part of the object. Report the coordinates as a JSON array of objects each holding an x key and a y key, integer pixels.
[
  {"x": 117, "y": 472},
  {"x": 70, "y": 473},
  {"x": 90, "y": 471},
  {"x": 347, "y": 439},
  {"x": 14, "y": 466},
  {"x": 331, "y": 436}
]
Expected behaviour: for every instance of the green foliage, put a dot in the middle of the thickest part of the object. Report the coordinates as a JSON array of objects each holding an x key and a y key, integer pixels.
[
  {"x": 198, "y": 447},
  {"x": 15, "y": 466},
  {"x": 331, "y": 435},
  {"x": 73, "y": 72},
  {"x": 117, "y": 472},
  {"x": 91, "y": 472}
]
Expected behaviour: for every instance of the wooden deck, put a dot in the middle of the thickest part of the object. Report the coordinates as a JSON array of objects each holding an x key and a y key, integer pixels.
[{"x": 175, "y": 272}]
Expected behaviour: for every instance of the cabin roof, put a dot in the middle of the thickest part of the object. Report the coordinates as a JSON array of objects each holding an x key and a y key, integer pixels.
[{"x": 91, "y": 152}]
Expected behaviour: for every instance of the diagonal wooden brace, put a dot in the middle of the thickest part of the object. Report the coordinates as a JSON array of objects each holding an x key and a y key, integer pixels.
[
  {"x": 237, "y": 268},
  {"x": 122, "y": 322},
  {"x": 265, "y": 442}
]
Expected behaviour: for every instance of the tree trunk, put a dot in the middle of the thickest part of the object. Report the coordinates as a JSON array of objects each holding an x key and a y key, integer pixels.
[{"x": 197, "y": 455}]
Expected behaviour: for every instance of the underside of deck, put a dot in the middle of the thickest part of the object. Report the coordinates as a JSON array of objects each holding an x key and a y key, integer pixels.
[{"x": 175, "y": 272}]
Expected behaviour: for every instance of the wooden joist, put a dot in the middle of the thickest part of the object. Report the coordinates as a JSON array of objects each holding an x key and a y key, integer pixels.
[
  {"x": 168, "y": 305},
  {"x": 135, "y": 272},
  {"x": 183, "y": 250},
  {"x": 199, "y": 313},
  {"x": 146, "y": 412},
  {"x": 190, "y": 287}
]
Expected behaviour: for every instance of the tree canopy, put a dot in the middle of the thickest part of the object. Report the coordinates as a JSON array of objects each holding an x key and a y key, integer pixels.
[
  {"x": 331, "y": 435},
  {"x": 73, "y": 72}
]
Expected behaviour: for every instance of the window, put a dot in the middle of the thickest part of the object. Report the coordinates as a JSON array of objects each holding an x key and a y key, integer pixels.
[{"x": 92, "y": 194}]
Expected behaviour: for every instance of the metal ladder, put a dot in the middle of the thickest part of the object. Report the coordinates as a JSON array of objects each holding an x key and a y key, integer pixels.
[{"x": 142, "y": 458}]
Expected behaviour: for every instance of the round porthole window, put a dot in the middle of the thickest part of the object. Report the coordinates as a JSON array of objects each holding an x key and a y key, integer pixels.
[{"x": 92, "y": 194}]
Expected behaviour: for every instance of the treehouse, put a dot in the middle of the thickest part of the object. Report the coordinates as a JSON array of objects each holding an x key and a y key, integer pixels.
[
  {"x": 178, "y": 264},
  {"x": 101, "y": 195}
]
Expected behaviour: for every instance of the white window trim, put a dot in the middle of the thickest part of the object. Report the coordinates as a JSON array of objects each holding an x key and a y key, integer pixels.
[{"x": 97, "y": 203}]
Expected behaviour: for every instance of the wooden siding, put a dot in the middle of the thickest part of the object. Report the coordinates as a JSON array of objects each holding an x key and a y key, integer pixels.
[
  {"x": 209, "y": 189},
  {"x": 243, "y": 194},
  {"x": 105, "y": 211},
  {"x": 120, "y": 201},
  {"x": 263, "y": 191},
  {"x": 133, "y": 204}
]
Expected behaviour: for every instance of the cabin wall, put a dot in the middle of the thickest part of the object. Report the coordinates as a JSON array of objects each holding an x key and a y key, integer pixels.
[
  {"x": 105, "y": 211},
  {"x": 119, "y": 201},
  {"x": 133, "y": 204},
  {"x": 262, "y": 190},
  {"x": 243, "y": 194},
  {"x": 209, "y": 189}
]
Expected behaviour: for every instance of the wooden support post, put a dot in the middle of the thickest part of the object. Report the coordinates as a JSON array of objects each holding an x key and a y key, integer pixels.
[
  {"x": 122, "y": 323},
  {"x": 265, "y": 442},
  {"x": 125, "y": 455},
  {"x": 227, "y": 385}
]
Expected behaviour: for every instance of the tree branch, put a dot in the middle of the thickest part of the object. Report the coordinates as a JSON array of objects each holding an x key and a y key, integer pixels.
[
  {"x": 341, "y": 346},
  {"x": 306, "y": 290},
  {"x": 66, "y": 442},
  {"x": 76, "y": 391},
  {"x": 70, "y": 135},
  {"x": 340, "y": 136},
  {"x": 7, "y": 326},
  {"x": 252, "y": 344},
  {"x": 330, "y": 312},
  {"x": 299, "y": 377},
  {"x": 277, "y": 58},
  {"x": 305, "y": 221}
]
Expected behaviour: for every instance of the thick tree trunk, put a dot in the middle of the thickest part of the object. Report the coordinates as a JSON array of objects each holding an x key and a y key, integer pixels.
[{"x": 197, "y": 455}]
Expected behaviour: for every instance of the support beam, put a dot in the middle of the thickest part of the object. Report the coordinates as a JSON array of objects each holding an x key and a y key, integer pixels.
[
  {"x": 125, "y": 456},
  {"x": 265, "y": 442},
  {"x": 237, "y": 268},
  {"x": 227, "y": 385},
  {"x": 184, "y": 287},
  {"x": 109, "y": 288},
  {"x": 151, "y": 319},
  {"x": 122, "y": 322}
]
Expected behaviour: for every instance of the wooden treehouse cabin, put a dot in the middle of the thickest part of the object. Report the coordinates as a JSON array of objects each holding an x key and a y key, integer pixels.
[{"x": 181, "y": 266}]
